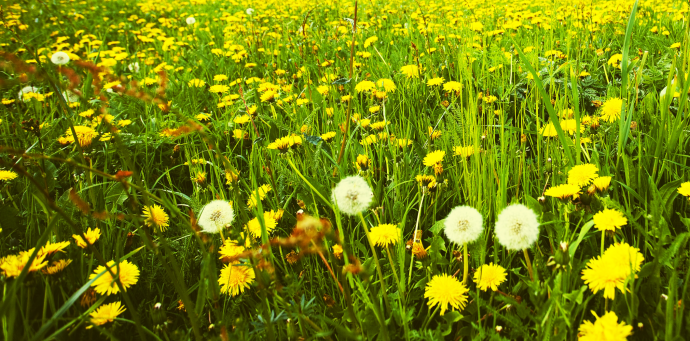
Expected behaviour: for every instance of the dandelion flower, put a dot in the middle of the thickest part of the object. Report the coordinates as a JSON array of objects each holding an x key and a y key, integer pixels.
[
  {"x": 444, "y": 290},
  {"x": 605, "y": 328},
  {"x": 387, "y": 84},
  {"x": 364, "y": 86},
  {"x": 56, "y": 267},
  {"x": 52, "y": 248},
  {"x": 410, "y": 71},
  {"x": 127, "y": 272},
  {"x": 254, "y": 226},
  {"x": 610, "y": 270},
  {"x": 91, "y": 235},
  {"x": 85, "y": 136},
  {"x": 215, "y": 216},
  {"x": 6, "y": 175},
  {"x": 156, "y": 216},
  {"x": 59, "y": 58},
  {"x": 611, "y": 110},
  {"x": 230, "y": 250},
  {"x": 466, "y": 151},
  {"x": 609, "y": 220},
  {"x": 190, "y": 21},
  {"x": 452, "y": 86},
  {"x": 684, "y": 188},
  {"x": 12, "y": 265},
  {"x": 234, "y": 278},
  {"x": 562, "y": 191},
  {"x": 434, "y": 158},
  {"x": 463, "y": 225},
  {"x": 602, "y": 183},
  {"x": 582, "y": 175},
  {"x": 489, "y": 276},
  {"x": 385, "y": 234},
  {"x": 517, "y": 227},
  {"x": 352, "y": 195},
  {"x": 106, "y": 313},
  {"x": 260, "y": 193},
  {"x": 435, "y": 81}
]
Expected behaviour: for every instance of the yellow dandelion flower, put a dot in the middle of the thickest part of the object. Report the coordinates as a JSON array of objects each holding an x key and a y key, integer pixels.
[
  {"x": 230, "y": 250},
  {"x": 106, "y": 313},
  {"x": 234, "y": 278},
  {"x": 610, "y": 270},
  {"x": 84, "y": 135},
  {"x": 56, "y": 267},
  {"x": 386, "y": 84},
  {"x": 410, "y": 71},
  {"x": 364, "y": 86},
  {"x": 260, "y": 193},
  {"x": 127, "y": 272},
  {"x": 435, "y": 81},
  {"x": 684, "y": 189},
  {"x": 611, "y": 110},
  {"x": 91, "y": 235},
  {"x": 52, "y": 248},
  {"x": 609, "y": 220},
  {"x": 605, "y": 328},
  {"x": 6, "y": 175},
  {"x": 582, "y": 175},
  {"x": 12, "y": 265},
  {"x": 602, "y": 183},
  {"x": 562, "y": 191},
  {"x": 254, "y": 227},
  {"x": 434, "y": 157},
  {"x": 466, "y": 151},
  {"x": 444, "y": 290},
  {"x": 156, "y": 216},
  {"x": 385, "y": 234},
  {"x": 452, "y": 86},
  {"x": 489, "y": 276}
]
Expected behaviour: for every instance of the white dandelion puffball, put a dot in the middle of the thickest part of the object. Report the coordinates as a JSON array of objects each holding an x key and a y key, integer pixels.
[
  {"x": 215, "y": 216},
  {"x": 26, "y": 90},
  {"x": 517, "y": 227},
  {"x": 250, "y": 11},
  {"x": 352, "y": 195},
  {"x": 59, "y": 58},
  {"x": 463, "y": 225},
  {"x": 133, "y": 67},
  {"x": 190, "y": 21}
]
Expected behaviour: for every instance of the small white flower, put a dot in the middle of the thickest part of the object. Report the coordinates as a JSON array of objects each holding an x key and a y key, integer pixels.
[
  {"x": 250, "y": 11},
  {"x": 352, "y": 195},
  {"x": 26, "y": 90},
  {"x": 190, "y": 21},
  {"x": 59, "y": 58},
  {"x": 517, "y": 227},
  {"x": 215, "y": 216},
  {"x": 463, "y": 225},
  {"x": 133, "y": 67}
]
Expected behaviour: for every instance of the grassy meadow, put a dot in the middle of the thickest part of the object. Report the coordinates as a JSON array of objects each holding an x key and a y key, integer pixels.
[{"x": 344, "y": 170}]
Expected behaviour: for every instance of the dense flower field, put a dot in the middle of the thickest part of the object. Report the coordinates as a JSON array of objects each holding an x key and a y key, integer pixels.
[{"x": 344, "y": 170}]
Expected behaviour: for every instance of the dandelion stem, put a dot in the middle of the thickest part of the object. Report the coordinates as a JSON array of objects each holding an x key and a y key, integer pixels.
[
  {"x": 465, "y": 266},
  {"x": 529, "y": 264},
  {"x": 603, "y": 241},
  {"x": 308, "y": 183},
  {"x": 414, "y": 237},
  {"x": 376, "y": 261}
]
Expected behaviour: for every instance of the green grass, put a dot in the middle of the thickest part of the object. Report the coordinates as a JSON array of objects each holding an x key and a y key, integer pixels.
[{"x": 64, "y": 188}]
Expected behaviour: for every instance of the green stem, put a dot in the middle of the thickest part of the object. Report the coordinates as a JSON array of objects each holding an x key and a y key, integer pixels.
[
  {"x": 465, "y": 266},
  {"x": 376, "y": 261},
  {"x": 309, "y": 183},
  {"x": 529, "y": 264}
]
